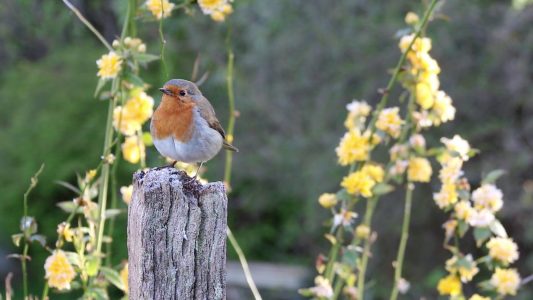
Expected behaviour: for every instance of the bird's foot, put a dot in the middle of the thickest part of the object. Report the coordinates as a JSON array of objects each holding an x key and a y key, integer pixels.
[{"x": 195, "y": 174}]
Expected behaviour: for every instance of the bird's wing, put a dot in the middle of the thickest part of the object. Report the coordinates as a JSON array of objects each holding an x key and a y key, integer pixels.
[{"x": 208, "y": 113}]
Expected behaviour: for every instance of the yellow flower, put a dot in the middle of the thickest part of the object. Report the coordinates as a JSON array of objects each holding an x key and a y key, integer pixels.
[
  {"x": 353, "y": 147},
  {"x": 64, "y": 231},
  {"x": 451, "y": 170},
  {"x": 211, "y": 5},
  {"x": 327, "y": 200},
  {"x": 126, "y": 192},
  {"x": 411, "y": 18},
  {"x": 124, "y": 277},
  {"x": 424, "y": 95},
  {"x": 481, "y": 218},
  {"x": 449, "y": 285},
  {"x": 90, "y": 175},
  {"x": 503, "y": 250},
  {"x": 422, "y": 44},
  {"x": 362, "y": 232},
  {"x": 133, "y": 149},
  {"x": 443, "y": 109},
  {"x": 160, "y": 8},
  {"x": 506, "y": 281},
  {"x": 417, "y": 141},
  {"x": 464, "y": 211},
  {"x": 446, "y": 196},
  {"x": 390, "y": 122},
  {"x": 419, "y": 170},
  {"x": 217, "y": 9},
  {"x": 59, "y": 271},
  {"x": 374, "y": 171},
  {"x": 488, "y": 196},
  {"x": 109, "y": 65},
  {"x": 322, "y": 288},
  {"x": 478, "y": 297},
  {"x": 466, "y": 268},
  {"x": 137, "y": 110},
  {"x": 358, "y": 183},
  {"x": 357, "y": 113},
  {"x": 457, "y": 145},
  {"x": 218, "y": 16}
]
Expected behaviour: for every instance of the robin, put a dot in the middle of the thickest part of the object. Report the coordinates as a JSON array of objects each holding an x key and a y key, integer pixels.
[{"x": 184, "y": 126}]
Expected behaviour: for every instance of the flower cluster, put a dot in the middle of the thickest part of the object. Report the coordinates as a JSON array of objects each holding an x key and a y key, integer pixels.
[
  {"x": 409, "y": 163},
  {"x": 475, "y": 209},
  {"x": 217, "y": 9}
]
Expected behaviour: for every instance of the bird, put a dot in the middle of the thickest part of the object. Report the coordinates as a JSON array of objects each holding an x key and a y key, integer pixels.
[{"x": 184, "y": 127}]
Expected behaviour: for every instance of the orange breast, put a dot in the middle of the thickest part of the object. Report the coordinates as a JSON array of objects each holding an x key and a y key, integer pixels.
[{"x": 173, "y": 118}]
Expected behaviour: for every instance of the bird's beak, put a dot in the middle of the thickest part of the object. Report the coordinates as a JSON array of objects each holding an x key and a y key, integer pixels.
[{"x": 165, "y": 91}]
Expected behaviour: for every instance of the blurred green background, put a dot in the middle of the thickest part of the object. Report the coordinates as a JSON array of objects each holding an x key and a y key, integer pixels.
[{"x": 298, "y": 62}]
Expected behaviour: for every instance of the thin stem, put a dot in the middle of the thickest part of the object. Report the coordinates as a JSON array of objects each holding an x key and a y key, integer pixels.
[
  {"x": 244, "y": 264},
  {"x": 403, "y": 240},
  {"x": 33, "y": 184},
  {"x": 163, "y": 41},
  {"x": 332, "y": 258},
  {"x": 337, "y": 289},
  {"x": 231, "y": 102},
  {"x": 370, "y": 206},
  {"x": 45, "y": 291},
  {"x": 114, "y": 187},
  {"x": 24, "y": 271},
  {"x": 102, "y": 193},
  {"x": 88, "y": 24}
]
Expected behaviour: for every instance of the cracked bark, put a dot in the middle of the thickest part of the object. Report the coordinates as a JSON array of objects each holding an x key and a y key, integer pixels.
[{"x": 176, "y": 237}]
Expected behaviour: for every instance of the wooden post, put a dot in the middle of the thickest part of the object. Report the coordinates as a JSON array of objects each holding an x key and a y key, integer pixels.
[{"x": 176, "y": 237}]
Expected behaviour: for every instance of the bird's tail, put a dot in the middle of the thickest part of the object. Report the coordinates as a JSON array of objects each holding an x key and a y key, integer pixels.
[{"x": 229, "y": 147}]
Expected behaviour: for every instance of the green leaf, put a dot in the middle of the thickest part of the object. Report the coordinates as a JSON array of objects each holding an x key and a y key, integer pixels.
[
  {"x": 134, "y": 79},
  {"x": 481, "y": 234},
  {"x": 96, "y": 293},
  {"x": 486, "y": 285},
  {"x": 16, "y": 238},
  {"x": 113, "y": 276},
  {"x": 350, "y": 256},
  {"x": 493, "y": 176},
  {"x": 73, "y": 258},
  {"x": 41, "y": 239},
  {"x": 462, "y": 228},
  {"x": 343, "y": 195},
  {"x": 111, "y": 213},
  {"x": 92, "y": 264},
  {"x": 99, "y": 86},
  {"x": 497, "y": 228},
  {"x": 382, "y": 189},
  {"x": 145, "y": 58},
  {"x": 69, "y": 186},
  {"x": 306, "y": 292},
  {"x": 69, "y": 206}
]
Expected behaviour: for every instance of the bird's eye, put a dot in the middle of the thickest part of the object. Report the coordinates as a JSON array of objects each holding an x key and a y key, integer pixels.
[{"x": 183, "y": 93}]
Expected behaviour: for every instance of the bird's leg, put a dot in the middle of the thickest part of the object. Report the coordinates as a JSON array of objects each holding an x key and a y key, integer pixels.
[
  {"x": 196, "y": 173},
  {"x": 172, "y": 164},
  {"x": 198, "y": 170}
]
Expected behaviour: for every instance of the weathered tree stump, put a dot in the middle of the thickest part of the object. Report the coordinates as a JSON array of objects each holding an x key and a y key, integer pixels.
[{"x": 176, "y": 237}]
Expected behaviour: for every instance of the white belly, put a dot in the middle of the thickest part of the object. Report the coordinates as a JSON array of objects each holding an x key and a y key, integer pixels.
[{"x": 204, "y": 144}]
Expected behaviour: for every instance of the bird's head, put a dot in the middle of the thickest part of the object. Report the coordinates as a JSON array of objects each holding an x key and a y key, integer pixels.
[{"x": 180, "y": 89}]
